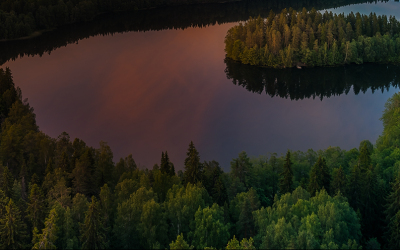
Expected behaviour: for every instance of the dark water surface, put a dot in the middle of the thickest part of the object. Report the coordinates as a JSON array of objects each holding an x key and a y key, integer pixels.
[{"x": 147, "y": 92}]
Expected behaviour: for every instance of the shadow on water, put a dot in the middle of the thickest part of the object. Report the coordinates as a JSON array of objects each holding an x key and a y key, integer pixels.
[
  {"x": 179, "y": 17},
  {"x": 313, "y": 82}
]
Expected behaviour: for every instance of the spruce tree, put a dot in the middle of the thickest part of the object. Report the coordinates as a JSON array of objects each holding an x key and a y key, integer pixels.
[
  {"x": 286, "y": 181},
  {"x": 36, "y": 206},
  {"x": 12, "y": 228},
  {"x": 193, "y": 167},
  {"x": 392, "y": 234},
  {"x": 3, "y": 203},
  {"x": 166, "y": 166},
  {"x": 47, "y": 239},
  {"x": 364, "y": 159},
  {"x": 245, "y": 225},
  {"x": 7, "y": 183},
  {"x": 92, "y": 230},
  {"x": 84, "y": 179},
  {"x": 339, "y": 182}
]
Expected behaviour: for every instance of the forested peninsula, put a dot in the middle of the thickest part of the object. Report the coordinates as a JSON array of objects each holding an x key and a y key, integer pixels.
[
  {"x": 58, "y": 193},
  {"x": 310, "y": 38}
]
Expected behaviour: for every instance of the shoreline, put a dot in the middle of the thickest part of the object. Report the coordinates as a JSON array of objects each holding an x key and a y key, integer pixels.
[{"x": 37, "y": 33}]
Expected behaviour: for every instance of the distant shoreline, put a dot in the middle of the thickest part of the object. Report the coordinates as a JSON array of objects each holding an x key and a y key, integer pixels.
[{"x": 37, "y": 33}]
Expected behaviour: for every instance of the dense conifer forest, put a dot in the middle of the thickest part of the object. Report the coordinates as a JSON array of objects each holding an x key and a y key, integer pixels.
[
  {"x": 61, "y": 193},
  {"x": 23, "y": 17},
  {"x": 312, "y": 38}
]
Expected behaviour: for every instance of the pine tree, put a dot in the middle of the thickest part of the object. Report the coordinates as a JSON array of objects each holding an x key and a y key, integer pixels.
[
  {"x": 3, "y": 203},
  {"x": 180, "y": 243},
  {"x": 12, "y": 228},
  {"x": 47, "y": 239},
  {"x": 339, "y": 182},
  {"x": 36, "y": 206},
  {"x": 286, "y": 181},
  {"x": 193, "y": 167},
  {"x": 93, "y": 233},
  {"x": 364, "y": 159},
  {"x": 7, "y": 182},
  {"x": 245, "y": 225},
  {"x": 166, "y": 166},
  {"x": 84, "y": 181},
  {"x": 392, "y": 212},
  {"x": 64, "y": 163},
  {"x": 106, "y": 208}
]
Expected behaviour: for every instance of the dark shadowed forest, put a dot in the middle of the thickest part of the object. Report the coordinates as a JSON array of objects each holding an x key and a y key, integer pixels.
[
  {"x": 61, "y": 193},
  {"x": 177, "y": 17},
  {"x": 313, "y": 82}
]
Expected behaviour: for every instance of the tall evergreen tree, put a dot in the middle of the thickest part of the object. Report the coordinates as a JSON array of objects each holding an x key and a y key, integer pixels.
[
  {"x": 7, "y": 182},
  {"x": 47, "y": 239},
  {"x": 193, "y": 167},
  {"x": 166, "y": 167},
  {"x": 36, "y": 206},
  {"x": 286, "y": 181},
  {"x": 93, "y": 233},
  {"x": 84, "y": 180},
  {"x": 392, "y": 233},
  {"x": 319, "y": 177},
  {"x": 339, "y": 182},
  {"x": 364, "y": 159},
  {"x": 12, "y": 229}
]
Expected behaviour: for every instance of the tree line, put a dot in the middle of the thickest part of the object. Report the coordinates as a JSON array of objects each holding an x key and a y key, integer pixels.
[
  {"x": 58, "y": 193},
  {"x": 310, "y": 38},
  {"x": 22, "y": 18},
  {"x": 173, "y": 17},
  {"x": 313, "y": 82}
]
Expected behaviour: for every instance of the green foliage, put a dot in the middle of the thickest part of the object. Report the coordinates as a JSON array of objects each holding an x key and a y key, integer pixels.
[
  {"x": 92, "y": 230},
  {"x": 180, "y": 243},
  {"x": 13, "y": 231},
  {"x": 7, "y": 182},
  {"x": 298, "y": 221},
  {"x": 193, "y": 167},
  {"x": 36, "y": 207},
  {"x": 181, "y": 206},
  {"x": 319, "y": 177},
  {"x": 139, "y": 221},
  {"x": 313, "y": 39},
  {"x": 286, "y": 181},
  {"x": 210, "y": 229},
  {"x": 47, "y": 239}
]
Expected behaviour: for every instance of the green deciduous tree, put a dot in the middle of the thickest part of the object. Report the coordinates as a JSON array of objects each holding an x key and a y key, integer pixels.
[{"x": 210, "y": 230}]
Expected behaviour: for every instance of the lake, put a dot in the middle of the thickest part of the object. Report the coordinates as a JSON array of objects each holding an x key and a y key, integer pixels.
[{"x": 154, "y": 80}]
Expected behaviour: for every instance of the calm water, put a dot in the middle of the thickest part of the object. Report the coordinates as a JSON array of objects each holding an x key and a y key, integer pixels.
[{"x": 147, "y": 92}]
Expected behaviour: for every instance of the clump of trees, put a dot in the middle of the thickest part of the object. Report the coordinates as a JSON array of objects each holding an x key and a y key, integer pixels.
[
  {"x": 314, "y": 39},
  {"x": 58, "y": 193}
]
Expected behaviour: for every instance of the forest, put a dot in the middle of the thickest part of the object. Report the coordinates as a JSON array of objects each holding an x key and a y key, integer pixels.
[
  {"x": 310, "y": 38},
  {"x": 61, "y": 193},
  {"x": 322, "y": 82},
  {"x": 23, "y": 17}
]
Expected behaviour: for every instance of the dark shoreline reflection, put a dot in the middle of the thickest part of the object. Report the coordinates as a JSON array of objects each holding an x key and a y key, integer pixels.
[
  {"x": 313, "y": 82},
  {"x": 179, "y": 17}
]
